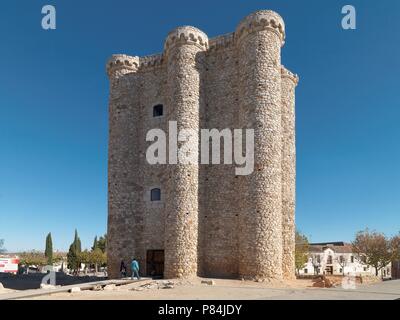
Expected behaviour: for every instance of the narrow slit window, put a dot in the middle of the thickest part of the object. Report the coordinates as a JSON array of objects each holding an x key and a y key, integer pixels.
[
  {"x": 155, "y": 194},
  {"x": 158, "y": 110}
]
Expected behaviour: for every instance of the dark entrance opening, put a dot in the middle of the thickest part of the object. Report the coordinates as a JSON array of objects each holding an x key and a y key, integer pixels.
[
  {"x": 329, "y": 270},
  {"x": 155, "y": 263}
]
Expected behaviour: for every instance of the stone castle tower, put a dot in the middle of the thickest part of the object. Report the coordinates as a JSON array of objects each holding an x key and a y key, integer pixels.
[{"x": 185, "y": 220}]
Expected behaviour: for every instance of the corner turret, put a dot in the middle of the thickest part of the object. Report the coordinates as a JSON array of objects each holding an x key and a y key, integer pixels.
[
  {"x": 186, "y": 35},
  {"x": 121, "y": 64},
  {"x": 261, "y": 20}
]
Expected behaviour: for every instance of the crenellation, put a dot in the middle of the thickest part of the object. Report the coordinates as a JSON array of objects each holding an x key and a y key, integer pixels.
[
  {"x": 288, "y": 74},
  {"x": 259, "y": 21},
  {"x": 221, "y": 42},
  {"x": 121, "y": 64},
  {"x": 151, "y": 61},
  {"x": 186, "y": 35}
]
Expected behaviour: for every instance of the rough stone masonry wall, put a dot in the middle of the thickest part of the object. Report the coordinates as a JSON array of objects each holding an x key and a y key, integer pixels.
[
  {"x": 209, "y": 222},
  {"x": 219, "y": 187},
  {"x": 123, "y": 162},
  {"x": 259, "y": 38},
  {"x": 135, "y": 223},
  {"x": 289, "y": 82},
  {"x": 184, "y": 50},
  {"x": 153, "y": 90}
]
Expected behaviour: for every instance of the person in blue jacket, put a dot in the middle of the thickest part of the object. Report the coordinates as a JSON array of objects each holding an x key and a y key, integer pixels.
[{"x": 135, "y": 269}]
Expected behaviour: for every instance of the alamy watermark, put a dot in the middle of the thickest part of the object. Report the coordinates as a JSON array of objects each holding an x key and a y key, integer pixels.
[
  {"x": 349, "y": 20},
  {"x": 183, "y": 147},
  {"x": 49, "y": 20},
  {"x": 50, "y": 278},
  {"x": 349, "y": 282}
]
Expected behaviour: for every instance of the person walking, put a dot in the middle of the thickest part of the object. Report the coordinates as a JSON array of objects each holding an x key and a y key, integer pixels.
[
  {"x": 135, "y": 269},
  {"x": 122, "y": 269}
]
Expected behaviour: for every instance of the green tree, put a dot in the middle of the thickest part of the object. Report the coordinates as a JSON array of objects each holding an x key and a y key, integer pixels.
[
  {"x": 77, "y": 242},
  {"x": 102, "y": 243},
  {"x": 95, "y": 244},
  {"x": 73, "y": 254},
  {"x": 58, "y": 257},
  {"x": 301, "y": 252},
  {"x": 48, "y": 253},
  {"x": 85, "y": 258},
  {"x": 72, "y": 259},
  {"x": 98, "y": 258},
  {"x": 32, "y": 258}
]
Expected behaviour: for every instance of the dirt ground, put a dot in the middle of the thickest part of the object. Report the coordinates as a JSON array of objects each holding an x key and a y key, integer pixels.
[
  {"x": 221, "y": 289},
  {"x": 187, "y": 289}
]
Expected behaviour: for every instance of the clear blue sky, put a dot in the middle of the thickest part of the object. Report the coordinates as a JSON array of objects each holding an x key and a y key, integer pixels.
[{"x": 53, "y": 110}]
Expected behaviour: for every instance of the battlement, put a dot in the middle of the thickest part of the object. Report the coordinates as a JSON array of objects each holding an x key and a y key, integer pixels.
[
  {"x": 285, "y": 73},
  {"x": 257, "y": 21},
  {"x": 221, "y": 42},
  {"x": 261, "y": 20},
  {"x": 186, "y": 35},
  {"x": 122, "y": 64},
  {"x": 154, "y": 60}
]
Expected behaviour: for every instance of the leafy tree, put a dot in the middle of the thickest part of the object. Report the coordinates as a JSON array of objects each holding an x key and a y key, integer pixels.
[
  {"x": 102, "y": 243},
  {"x": 316, "y": 262},
  {"x": 48, "y": 253},
  {"x": 33, "y": 258},
  {"x": 58, "y": 257},
  {"x": 95, "y": 244},
  {"x": 342, "y": 261},
  {"x": 98, "y": 258},
  {"x": 85, "y": 258},
  {"x": 301, "y": 252},
  {"x": 374, "y": 249}
]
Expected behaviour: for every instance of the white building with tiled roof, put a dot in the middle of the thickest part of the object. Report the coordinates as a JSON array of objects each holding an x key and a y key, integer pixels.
[{"x": 337, "y": 258}]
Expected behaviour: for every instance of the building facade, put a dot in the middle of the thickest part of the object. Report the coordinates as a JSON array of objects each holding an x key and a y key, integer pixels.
[
  {"x": 396, "y": 269},
  {"x": 182, "y": 220},
  {"x": 337, "y": 258}
]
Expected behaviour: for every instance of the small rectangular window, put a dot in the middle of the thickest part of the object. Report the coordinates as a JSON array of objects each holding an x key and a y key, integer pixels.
[
  {"x": 155, "y": 194},
  {"x": 158, "y": 110}
]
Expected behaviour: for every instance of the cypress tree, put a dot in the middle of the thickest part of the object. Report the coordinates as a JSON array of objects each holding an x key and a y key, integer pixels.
[
  {"x": 95, "y": 244},
  {"x": 77, "y": 243},
  {"x": 72, "y": 258},
  {"x": 78, "y": 246},
  {"x": 49, "y": 249},
  {"x": 74, "y": 250},
  {"x": 75, "y": 240}
]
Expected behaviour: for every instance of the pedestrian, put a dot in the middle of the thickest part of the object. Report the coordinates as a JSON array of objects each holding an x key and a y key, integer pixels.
[
  {"x": 135, "y": 269},
  {"x": 122, "y": 269}
]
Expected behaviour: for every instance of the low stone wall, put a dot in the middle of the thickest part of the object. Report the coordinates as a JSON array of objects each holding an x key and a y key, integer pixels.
[
  {"x": 331, "y": 281},
  {"x": 369, "y": 279}
]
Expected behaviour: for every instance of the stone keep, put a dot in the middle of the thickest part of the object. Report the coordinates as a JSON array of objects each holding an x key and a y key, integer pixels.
[{"x": 209, "y": 221}]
